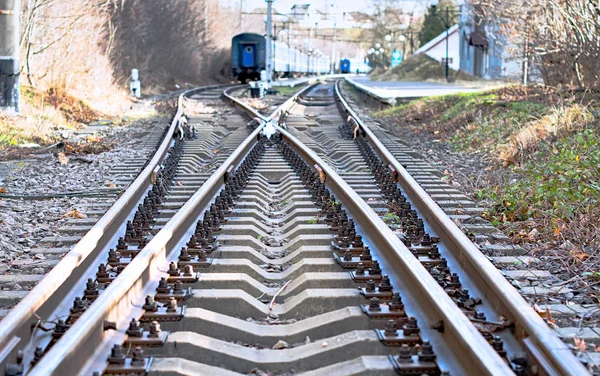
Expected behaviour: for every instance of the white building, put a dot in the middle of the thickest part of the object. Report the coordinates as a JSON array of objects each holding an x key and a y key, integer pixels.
[{"x": 436, "y": 48}]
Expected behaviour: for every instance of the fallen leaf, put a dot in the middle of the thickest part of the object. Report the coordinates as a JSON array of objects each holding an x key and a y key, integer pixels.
[
  {"x": 73, "y": 214},
  {"x": 62, "y": 158},
  {"x": 544, "y": 313},
  {"x": 3, "y": 190},
  {"x": 580, "y": 344}
]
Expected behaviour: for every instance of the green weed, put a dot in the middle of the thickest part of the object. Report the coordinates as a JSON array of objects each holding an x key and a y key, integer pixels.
[{"x": 563, "y": 182}]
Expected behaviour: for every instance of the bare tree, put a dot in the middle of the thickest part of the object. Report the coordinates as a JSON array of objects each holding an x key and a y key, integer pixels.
[{"x": 561, "y": 36}]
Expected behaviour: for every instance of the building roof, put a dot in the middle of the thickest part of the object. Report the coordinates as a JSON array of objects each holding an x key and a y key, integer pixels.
[{"x": 435, "y": 41}]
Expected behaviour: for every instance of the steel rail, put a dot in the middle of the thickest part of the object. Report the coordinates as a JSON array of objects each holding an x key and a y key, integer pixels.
[
  {"x": 548, "y": 351},
  {"x": 55, "y": 292},
  {"x": 458, "y": 332},
  {"x": 87, "y": 344},
  {"x": 281, "y": 109},
  {"x": 473, "y": 352}
]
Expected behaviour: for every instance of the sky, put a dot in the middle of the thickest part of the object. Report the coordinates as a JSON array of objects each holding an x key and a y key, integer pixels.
[{"x": 284, "y": 6}]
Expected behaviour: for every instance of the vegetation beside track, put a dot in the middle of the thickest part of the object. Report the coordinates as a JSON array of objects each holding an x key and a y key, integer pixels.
[
  {"x": 543, "y": 150},
  {"x": 46, "y": 112},
  {"x": 48, "y": 116}
]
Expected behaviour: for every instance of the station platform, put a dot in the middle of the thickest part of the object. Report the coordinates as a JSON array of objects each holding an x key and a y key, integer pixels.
[{"x": 392, "y": 91}]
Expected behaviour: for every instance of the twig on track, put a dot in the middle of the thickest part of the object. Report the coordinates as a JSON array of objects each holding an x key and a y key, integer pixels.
[{"x": 276, "y": 294}]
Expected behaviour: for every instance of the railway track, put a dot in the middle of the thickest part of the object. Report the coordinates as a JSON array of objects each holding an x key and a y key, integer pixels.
[
  {"x": 312, "y": 251},
  {"x": 532, "y": 275}
]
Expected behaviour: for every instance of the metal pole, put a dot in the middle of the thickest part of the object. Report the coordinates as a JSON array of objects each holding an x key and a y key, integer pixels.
[
  {"x": 268, "y": 57},
  {"x": 447, "y": 38},
  {"x": 289, "y": 63},
  {"x": 333, "y": 51},
  {"x": 241, "y": 16},
  {"x": 274, "y": 47},
  {"x": 526, "y": 57},
  {"x": 9, "y": 55}
]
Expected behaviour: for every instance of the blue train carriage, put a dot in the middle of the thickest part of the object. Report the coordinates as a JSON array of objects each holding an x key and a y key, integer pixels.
[
  {"x": 248, "y": 56},
  {"x": 344, "y": 66}
]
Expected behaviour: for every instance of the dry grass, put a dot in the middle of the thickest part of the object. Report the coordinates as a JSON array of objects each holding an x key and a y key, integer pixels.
[
  {"x": 74, "y": 110},
  {"x": 44, "y": 114},
  {"x": 559, "y": 121}
]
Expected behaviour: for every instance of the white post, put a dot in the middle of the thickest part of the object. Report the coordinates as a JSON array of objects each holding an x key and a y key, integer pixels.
[
  {"x": 268, "y": 57},
  {"x": 135, "y": 87}
]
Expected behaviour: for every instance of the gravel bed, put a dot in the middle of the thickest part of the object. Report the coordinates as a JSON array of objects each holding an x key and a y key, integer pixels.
[{"x": 23, "y": 223}]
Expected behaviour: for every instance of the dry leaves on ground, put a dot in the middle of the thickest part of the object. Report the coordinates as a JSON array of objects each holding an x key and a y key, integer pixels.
[
  {"x": 580, "y": 344},
  {"x": 545, "y": 314},
  {"x": 76, "y": 214},
  {"x": 62, "y": 159}
]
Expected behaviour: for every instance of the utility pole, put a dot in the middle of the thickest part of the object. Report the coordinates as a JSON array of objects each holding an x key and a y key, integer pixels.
[
  {"x": 289, "y": 32},
  {"x": 333, "y": 47},
  {"x": 269, "y": 58},
  {"x": 241, "y": 16},
  {"x": 333, "y": 51},
  {"x": 9, "y": 55}
]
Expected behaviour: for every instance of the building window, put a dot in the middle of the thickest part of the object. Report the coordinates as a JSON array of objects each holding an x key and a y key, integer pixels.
[{"x": 450, "y": 60}]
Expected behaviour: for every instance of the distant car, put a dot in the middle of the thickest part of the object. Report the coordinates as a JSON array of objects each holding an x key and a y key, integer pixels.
[
  {"x": 344, "y": 66},
  {"x": 248, "y": 59}
]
